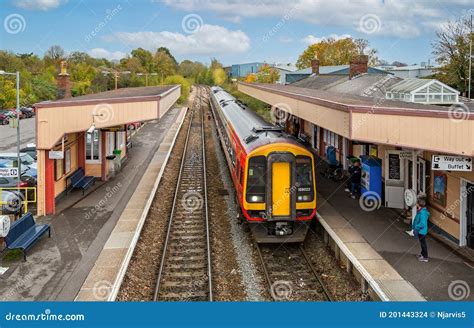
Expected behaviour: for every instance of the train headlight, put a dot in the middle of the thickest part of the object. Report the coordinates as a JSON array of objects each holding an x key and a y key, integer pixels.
[
  {"x": 256, "y": 199},
  {"x": 304, "y": 198}
]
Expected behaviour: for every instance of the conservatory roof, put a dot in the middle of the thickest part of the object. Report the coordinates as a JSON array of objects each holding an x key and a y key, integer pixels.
[{"x": 413, "y": 84}]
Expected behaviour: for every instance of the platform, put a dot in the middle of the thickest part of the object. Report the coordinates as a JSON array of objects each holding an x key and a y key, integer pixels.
[
  {"x": 58, "y": 266},
  {"x": 105, "y": 278},
  {"x": 385, "y": 254}
]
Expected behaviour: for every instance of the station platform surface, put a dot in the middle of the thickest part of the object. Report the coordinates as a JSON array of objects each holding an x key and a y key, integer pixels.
[
  {"x": 383, "y": 231},
  {"x": 57, "y": 267}
]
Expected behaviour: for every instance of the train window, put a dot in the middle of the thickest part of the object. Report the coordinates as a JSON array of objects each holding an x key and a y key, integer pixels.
[
  {"x": 304, "y": 179},
  {"x": 256, "y": 179}
]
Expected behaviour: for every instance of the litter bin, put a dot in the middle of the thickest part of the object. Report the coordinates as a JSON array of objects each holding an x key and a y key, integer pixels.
[{"x": 117, "y": 160}]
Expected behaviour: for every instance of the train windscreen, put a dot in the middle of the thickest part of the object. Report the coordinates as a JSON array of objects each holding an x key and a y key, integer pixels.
[
  {"x": 304, "y": 179},
  {"x": 256, "y": 179}
]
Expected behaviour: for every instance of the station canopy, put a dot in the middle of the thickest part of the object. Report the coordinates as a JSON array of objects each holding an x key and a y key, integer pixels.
[{"x": 423, "y": 91}]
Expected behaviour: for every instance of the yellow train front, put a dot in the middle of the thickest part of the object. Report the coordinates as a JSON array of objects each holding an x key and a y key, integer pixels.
[{"x": 273, "y": 174}]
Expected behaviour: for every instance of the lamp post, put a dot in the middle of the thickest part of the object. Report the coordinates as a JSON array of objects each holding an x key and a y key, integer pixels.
[
  {"x": 146, "y": 76},
  {"x": 17, "y": 75}
]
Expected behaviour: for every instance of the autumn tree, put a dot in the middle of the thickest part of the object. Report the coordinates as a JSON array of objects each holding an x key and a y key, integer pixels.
[
  {"x": 336, "y": 52},
  {"x": 267, "y": 74},
  {"x": 250, "y": 78},
  {"x": 219, "y": 76},
  {"x": 452, "y": 52},
  {"x": 164, "y": 64}
]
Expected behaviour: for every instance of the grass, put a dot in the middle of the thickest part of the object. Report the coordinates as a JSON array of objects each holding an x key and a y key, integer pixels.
[
  {"x": 261, "y": 108},
  {"x": 13, "y": 255}
]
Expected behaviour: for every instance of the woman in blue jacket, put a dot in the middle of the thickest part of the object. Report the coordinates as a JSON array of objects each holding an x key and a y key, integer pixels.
[{"x": 420, "y": 227}]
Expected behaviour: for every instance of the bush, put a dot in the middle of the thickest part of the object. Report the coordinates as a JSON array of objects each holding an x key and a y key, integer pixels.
[{"x": 185, "y": 86}]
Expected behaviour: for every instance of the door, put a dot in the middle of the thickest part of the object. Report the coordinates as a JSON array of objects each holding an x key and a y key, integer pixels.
[
  {"x": 281, "y": 179},
  {"x": 470, "y": 215},
  {"x": 394, "y": 180}
]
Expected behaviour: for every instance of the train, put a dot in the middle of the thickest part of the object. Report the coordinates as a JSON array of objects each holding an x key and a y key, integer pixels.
[{"x": 273, "y": 174}]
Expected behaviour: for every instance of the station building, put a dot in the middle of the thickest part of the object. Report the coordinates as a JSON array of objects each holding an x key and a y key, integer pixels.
[
  {"x": 89, "y": 133},
  {"x": 405, "y": 137}
]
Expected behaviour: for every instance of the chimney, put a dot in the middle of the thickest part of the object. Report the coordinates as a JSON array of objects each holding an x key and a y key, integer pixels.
[
  {"x": 358, "y": 65},
  {"x": 63, "y": 83},
  {"x": 315, "y": 66}
]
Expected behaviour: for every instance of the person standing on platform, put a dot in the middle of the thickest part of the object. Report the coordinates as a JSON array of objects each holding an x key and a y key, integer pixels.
[{"x": 420, "y": 227}]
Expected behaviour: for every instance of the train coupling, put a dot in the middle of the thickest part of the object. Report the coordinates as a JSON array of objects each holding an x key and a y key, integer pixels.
[{"x": 283, "y": 229}]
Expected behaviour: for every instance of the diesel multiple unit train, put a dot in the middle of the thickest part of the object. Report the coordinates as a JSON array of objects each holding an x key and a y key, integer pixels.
[{"x": 273, "y": 174}]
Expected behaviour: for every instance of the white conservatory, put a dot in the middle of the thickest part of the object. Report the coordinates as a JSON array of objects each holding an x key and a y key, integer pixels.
[{"x": 423, "y": 91}]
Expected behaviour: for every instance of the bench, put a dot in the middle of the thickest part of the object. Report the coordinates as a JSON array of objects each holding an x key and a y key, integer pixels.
[
  {"x": 24, "y": 233},
  {"x": 80, "y": 181}
]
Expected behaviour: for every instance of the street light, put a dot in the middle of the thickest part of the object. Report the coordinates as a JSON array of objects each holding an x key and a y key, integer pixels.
[
  {"x": 17, "y": 75},
  {"x": 146, "y": 76}
]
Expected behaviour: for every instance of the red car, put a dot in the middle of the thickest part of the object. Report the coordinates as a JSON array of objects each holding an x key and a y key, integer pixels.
[{"x": 4, "y": 119}]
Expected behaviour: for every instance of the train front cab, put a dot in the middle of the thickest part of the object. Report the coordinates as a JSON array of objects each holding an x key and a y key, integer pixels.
[{"x": 279, "y": 198}]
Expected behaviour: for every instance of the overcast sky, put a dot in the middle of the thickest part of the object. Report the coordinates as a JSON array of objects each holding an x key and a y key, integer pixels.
[{"x": 232, "y": 31}]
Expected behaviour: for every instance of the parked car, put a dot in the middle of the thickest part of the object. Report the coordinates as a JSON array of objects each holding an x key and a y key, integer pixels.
[
  {"x": 25, "y": 159},
  {"x": 27, "y": 112},
  {"x": 30, "y": 149},
  {"x": 4, "y": 119},
  {"x": 7, "y": 112}
]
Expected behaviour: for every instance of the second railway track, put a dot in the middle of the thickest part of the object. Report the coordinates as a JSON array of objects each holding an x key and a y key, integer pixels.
[
  {"x": 290, "y": 274},
  {"x": 185, "y": 269}
]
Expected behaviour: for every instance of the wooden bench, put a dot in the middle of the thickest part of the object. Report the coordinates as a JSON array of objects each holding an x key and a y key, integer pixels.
[
  {"x": 24, "y": 233},
  {"x": 80, "y": 181}
]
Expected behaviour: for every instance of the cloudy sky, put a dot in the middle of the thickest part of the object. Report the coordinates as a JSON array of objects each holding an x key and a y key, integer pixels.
[{"x": 231, "y": 30}]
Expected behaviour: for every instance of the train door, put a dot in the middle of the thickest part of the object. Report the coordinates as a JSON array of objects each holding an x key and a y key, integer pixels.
[
  {"x": 281, "y": 188},
  {"x": 281, "y": 178}
]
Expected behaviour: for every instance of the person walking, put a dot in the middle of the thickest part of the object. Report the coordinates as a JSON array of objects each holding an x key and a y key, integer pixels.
[
  {"x": 356, "y": 174},
  {"x": 420, "y": 227}
]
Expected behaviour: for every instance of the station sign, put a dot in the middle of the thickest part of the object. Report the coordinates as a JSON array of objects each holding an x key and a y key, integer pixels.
[
  {"x": 55, "y": 154},
  {"x": 451, "y": 163},
  {"x": 8, "y": 172},
  {"x": 406, "y": 154}
]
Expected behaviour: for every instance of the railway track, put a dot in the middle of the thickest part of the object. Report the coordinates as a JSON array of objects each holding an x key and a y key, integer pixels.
[
  {"x": 185, "y": 268},
  {"x": 290, "y": 274}
]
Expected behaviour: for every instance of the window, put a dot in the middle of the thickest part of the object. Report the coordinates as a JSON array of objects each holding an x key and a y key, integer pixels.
[
  {"x": 256, "y": 179},
  {"x": 67, "y": 161},
  {"x": 93, "y": 146},
  {"x": 304, "y": 179},
  {"x": 58, "y": 169}
]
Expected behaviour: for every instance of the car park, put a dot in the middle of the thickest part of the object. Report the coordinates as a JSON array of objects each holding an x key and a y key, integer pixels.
[
  {"x": 27, "y": 112},
  {"x": 30, "y": 149},
  {"x": 26, "y": 159},
  {"x": 4, "y": 119}
]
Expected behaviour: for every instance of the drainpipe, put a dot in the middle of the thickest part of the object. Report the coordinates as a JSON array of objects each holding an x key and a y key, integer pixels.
[{"x": 414, "y": 180}]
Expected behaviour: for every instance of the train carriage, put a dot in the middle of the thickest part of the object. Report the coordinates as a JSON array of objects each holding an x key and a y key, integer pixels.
[{"x": 273, "y": 174}]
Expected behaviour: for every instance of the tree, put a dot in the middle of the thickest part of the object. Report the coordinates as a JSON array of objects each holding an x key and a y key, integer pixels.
[
  {"x": 168, "y": 52},
  {"x": 185, "y": 85},
  {"x": 452, "y": 52},
  {"x": 336, "y": 52},
  {"x": 250, "y": 78},
  {"x": 267, "y": 74},
  {"x": 145, "y": 57},
  {"x": 164, "y": 64},
  {"x": 54, "y": 55},
  {"x": 219, "y": 76}
]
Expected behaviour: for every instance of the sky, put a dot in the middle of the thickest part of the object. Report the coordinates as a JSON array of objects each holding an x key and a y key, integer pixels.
[{"x": 232, "y": 31}]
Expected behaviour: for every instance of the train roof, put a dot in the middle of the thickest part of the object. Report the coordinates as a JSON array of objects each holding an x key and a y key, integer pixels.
[{"x": 252, "y": 130}]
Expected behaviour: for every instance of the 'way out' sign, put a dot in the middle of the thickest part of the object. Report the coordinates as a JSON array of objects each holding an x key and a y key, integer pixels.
[{"x": 451, "y": 163}]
